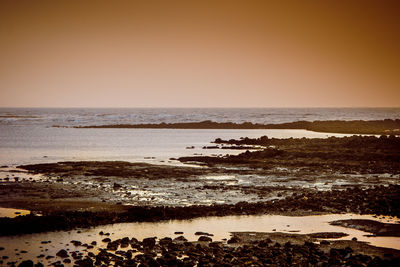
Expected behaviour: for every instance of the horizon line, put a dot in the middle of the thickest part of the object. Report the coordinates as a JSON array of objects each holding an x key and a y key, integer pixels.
[{"x": 293, "y": 107}]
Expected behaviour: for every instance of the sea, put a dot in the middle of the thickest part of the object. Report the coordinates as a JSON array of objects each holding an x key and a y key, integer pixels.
[{"x": 36, "y": 135}]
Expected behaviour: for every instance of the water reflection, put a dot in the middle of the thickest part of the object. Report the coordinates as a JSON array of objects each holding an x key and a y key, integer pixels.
[
  {"x": 12, "y": 213},
  {"x": 220, "y": 227}
]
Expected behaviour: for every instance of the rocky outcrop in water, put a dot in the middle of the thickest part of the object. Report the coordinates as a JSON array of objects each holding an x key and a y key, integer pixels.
[
  {"x": 355, "y": 154},
  {"x": 385, "y": 127}
]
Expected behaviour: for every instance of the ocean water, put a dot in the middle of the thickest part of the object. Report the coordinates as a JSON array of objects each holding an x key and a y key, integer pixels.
[
  {"x": 27, "y": 135},
  {"x": 97, "y": 116}
]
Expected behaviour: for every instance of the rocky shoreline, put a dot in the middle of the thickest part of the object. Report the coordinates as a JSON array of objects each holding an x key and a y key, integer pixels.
[
  {"x": 288, "y": 176},
  {"x": 355, "y": 154},
  {"x": 242, "y": 249},
  {"x": 379, "y": 200},
  {"x": 282, "y": 177},
  {"x": 385, "y": 127}
]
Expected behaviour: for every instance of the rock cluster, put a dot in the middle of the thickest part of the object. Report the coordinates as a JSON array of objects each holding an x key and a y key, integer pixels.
[
  {"x": 167, "y": 252},
  {"x": 354, "y": 154},
  {"x": 380, "y": 200}
]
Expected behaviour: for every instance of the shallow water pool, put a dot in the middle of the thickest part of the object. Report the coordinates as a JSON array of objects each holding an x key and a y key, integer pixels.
[{"x": 220, "y": 227}]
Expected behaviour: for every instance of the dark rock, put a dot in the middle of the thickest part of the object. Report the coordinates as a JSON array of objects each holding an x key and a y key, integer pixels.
[
  {"x": 324, "y": 242},
  {"x": 27, "y": 263},
  {"x": 149, "y": 242},
  {"x": 215, "y": 245},
  {"x": 62, "y": 253},
  {"x": 203, "y": 233},
  {"x": 234, "y": 240},
  {"x": 180, "y": 238},
  {"x": 84, "y": 262},
  {"x": 165, "y": 241},
  {"x": 113, "y": 245},
  {"x": 76, "y": 243},
  {"x": 205, "y": 239},
  {"x": 263, "y": 243}
]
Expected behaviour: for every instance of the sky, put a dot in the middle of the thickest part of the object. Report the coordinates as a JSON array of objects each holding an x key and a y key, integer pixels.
[{"x": 200, "y": 53}]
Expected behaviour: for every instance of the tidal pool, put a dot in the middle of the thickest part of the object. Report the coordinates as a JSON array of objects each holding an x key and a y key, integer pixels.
[
  {"x": 30, "y": 246},
  {"x": 12, "y": 213}
]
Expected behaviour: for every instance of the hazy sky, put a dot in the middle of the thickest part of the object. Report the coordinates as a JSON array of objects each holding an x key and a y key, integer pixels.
[{"x": 200, "y": 53}]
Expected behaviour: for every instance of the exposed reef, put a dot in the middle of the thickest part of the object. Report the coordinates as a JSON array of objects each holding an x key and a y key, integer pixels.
[
  {"x": 374, "y": 227},
  {"x": 355, "y": 154},
  {"x": 113, "y": 168},
  {"x": 382, "y": 200},
  {"x": 385, "y": 127}
]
